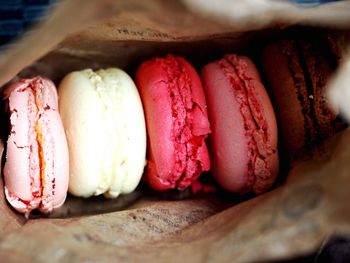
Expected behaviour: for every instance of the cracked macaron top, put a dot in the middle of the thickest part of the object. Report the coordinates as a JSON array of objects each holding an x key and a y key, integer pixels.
[
  {"x": 176, "y": 120},
  {"x": 244, "y": 131},
  {"x": 36, "y": 168}
]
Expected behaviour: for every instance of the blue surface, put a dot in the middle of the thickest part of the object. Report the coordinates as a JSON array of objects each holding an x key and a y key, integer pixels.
[
  {"x": 313, "y": 2},
  {"x": 17, "y": 15}
]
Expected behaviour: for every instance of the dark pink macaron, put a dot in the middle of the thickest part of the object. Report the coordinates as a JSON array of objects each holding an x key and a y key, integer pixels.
[
  {"x": 177, "y": 122},
  {"x": 243, "y": 150}
]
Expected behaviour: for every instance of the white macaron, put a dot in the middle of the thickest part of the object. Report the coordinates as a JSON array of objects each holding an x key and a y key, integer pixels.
[{"x": 105, "y": 127}]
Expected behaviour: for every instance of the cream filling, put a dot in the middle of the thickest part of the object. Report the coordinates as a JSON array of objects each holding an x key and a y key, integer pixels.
[
  {"x": 39, "y": 138},
  {"x": 43, "y": 137}
]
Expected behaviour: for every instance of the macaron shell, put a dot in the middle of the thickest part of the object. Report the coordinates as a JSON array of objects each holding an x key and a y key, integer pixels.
[
  {"x": 16, "y": 173},
  {"x": 105, "y": 128},
  {"x": 161, "y": 157},
  {"x": 264, "y": 108},
  {"x": 244, "y": 130},
  {"x": 56, "y": 152},
  {"x": 285, "y": 97},
  {"x": 80, "y": 110},
  {"x": 176, "y": 118},
  {"x": 227, "y": 139},
  {"x": 161, "y": 148},
  {"x": 132, "y": 132}
]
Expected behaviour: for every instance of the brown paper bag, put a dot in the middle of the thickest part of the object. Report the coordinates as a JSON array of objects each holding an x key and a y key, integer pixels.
[{"x": 293, "y": 219}]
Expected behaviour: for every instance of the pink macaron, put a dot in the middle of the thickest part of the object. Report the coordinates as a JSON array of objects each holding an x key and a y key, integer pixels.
[
  {"x": 176, "y": 120},
  {"x": 36, "y": 168},
  {"x": 244, "y": 131}
]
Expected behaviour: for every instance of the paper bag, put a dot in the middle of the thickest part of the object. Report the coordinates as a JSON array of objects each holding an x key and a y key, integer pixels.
[{"x": 293, "y": 219}]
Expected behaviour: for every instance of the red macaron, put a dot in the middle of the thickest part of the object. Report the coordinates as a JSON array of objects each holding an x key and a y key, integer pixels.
[
  {"x": 243, "y": 142},
  {"x": 176, "y": 120}
]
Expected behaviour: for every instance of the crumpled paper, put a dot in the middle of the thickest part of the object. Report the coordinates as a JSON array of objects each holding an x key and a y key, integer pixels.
[
  {"x": 162, "y": 20},
  {"x": 293, "y": 219}
]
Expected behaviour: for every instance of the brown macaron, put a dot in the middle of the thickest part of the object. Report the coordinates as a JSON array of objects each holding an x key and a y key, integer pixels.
[{"x": 297, "y": 72}]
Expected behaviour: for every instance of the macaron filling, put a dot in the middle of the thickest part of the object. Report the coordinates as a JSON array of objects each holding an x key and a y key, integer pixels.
[{"x": 255, "y": 124}]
